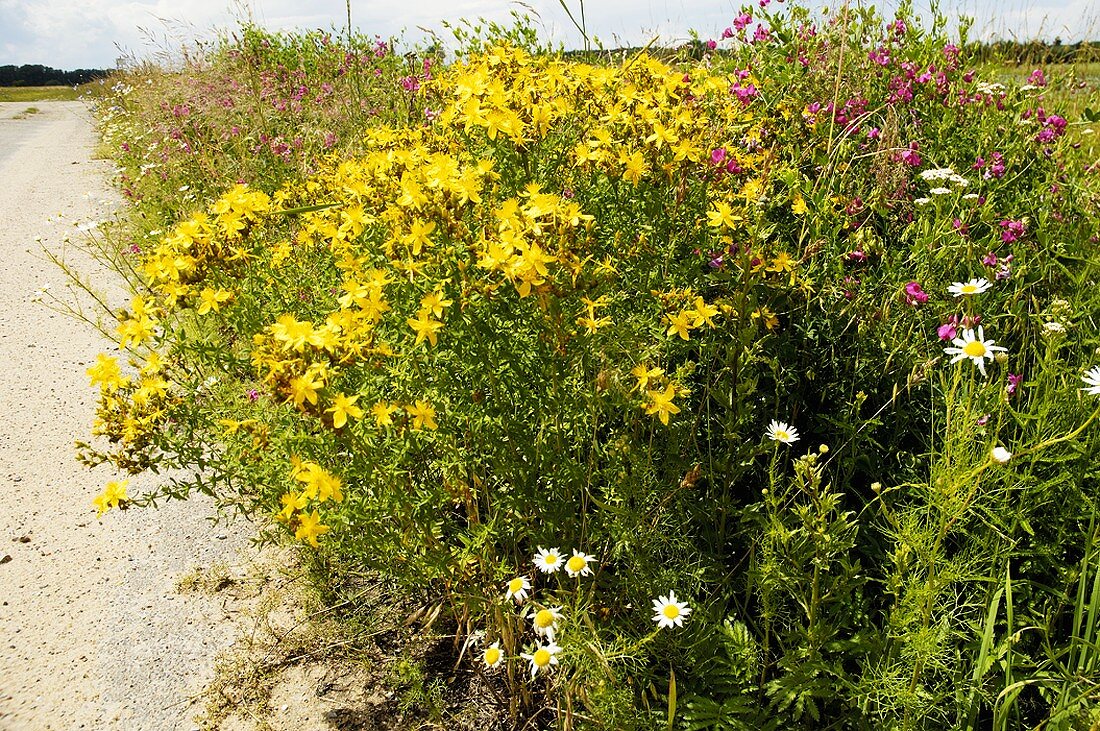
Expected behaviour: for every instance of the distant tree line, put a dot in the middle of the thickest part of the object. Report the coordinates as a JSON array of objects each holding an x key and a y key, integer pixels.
[
  {"x": 1039, "y": 52},
  {"x": 38, "y": 75}
]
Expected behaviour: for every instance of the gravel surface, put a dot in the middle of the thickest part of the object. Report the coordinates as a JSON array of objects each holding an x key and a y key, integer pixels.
[{"x": 93, "y": 634}]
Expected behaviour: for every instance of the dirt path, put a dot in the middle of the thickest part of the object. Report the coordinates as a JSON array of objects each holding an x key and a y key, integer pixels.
[{"x": 93, "y": 634}]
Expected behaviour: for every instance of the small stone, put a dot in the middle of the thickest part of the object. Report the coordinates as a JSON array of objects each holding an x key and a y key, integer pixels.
[
  {"x": 24, "y": 538},
  {"x": 4, "y": 560}
]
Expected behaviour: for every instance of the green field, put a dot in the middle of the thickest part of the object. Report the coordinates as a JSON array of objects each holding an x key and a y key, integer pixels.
[{"x": 38, "y": 93}]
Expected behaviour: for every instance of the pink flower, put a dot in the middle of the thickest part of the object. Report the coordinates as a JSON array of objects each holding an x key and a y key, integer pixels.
[
  {"x": 1012, "y": 230},
  {"x": 947, "y": 331},
  {"x": 1037, "y": 78},
  {"x": 914, "y": 295},
  {"x": 1014, "y": 381}
]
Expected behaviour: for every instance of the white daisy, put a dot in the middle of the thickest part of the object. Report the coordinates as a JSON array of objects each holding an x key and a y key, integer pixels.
[
  {"x": 545, "y": 622},
  {"x": 668, "y": 612},
  {"x": 542, "y": 658},
  {"x": 548, "y": 561},
  {"x": 781, "y": 432},
  {"x": 578, "y": 564},
  {"x": 492, "y": 655},
  {"x": 1092, "y": 378},
  {"x": 974, "y": 286},
  {"x": 517, "y": 589},
  {"x": 1000, "y": 455},
  {"x": 975, "y": 348}
]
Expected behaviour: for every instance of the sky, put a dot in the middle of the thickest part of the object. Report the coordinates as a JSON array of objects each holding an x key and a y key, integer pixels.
[{"x": 69, "y": 34}]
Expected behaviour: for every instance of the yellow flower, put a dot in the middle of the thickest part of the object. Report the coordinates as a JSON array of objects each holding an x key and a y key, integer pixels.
[
  {"x": 343, "y": 407},
  {"x": 383, "y": 413},
  {"x": 309, "y": 528},
  {"x": 644, "y": 375},
  {"x": 292, "y": 503},
  {"x": 423, "y": 415},
  {"x": 703, "y": 313},
  {"x": 434, "y": 303},
  {"x": 425, "y": 327},
  {"x": 722, "y": 216},
  {"x": 135, "y": 330},
  {"x": 660, "y": 403},
  {"x": 212, "y": 301},
  {"x": 680, "y": 324},
  {"x": 783, "y": 263},
  {"x": 113, "y": 495},
  {"x": 106, "y": 372},
  {"x": 304, "y": 388},
  {"x": 798, "y": 205},
  {"x": 319, "y": 483}
]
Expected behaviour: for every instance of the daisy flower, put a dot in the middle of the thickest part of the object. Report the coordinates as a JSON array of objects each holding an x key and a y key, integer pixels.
[
  {"x": 781, "y": 432},
  {"x": 542, "y": 658},
  {"x": 668, "y": 612},
  {"x": 517, "y": 589},
  {"x": 974, "y": 286},
  {"x": 1092, "y": 378},
  {"x": 577, "y": 565},
  {"x": 548, "y": 561},
  {"x": 1000, "y": 455},
  {"x": 975, "y": 348},
  {"x": 545, "y": 622},
  {"x": 492, "y": 655}
]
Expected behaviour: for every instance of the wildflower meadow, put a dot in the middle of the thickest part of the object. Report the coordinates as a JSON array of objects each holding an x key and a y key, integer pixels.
[{"x": 752, "y": 384}]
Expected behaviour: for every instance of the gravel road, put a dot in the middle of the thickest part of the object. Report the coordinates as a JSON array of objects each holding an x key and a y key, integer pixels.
[{"x": 93, "y": 634}]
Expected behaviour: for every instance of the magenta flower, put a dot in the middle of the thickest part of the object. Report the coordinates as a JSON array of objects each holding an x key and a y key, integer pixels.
[
  {"x": 1012, "y": 230},
  {"x": 1014, "y": 381},
  {"x": 947, "y": 331},
  {"x": 1037, "y": 78},
  {"x": 914, "y": 295},
  {"x": 253, "y": 394}
]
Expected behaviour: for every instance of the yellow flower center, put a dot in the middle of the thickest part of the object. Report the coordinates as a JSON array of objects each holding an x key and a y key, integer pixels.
[
  {"x": 969, "y": 288},
  {"x": 541, "y": 658},
  {"x": 576, "y": 564},
  {"x": 544, "y": 618},
  {"x": 671, "y": 611},
  {"x": 975, "y": 349},
  {"x": 515, "y": 585},
  {"x": 492, "y": 655},
  {"x": 550, "y": 559},
  {"x": 781, "y": 436}
]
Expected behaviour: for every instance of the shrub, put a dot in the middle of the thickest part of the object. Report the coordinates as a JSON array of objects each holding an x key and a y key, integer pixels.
[{"x": 547, "y": 351}]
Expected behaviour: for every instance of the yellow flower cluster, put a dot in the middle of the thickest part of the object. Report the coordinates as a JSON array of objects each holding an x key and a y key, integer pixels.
[
  {"x": 204, "y": 240},
  {"x": 130, "y": 409}
]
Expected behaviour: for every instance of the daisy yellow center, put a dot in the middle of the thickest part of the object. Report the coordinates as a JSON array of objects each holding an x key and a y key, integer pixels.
[
  {"x": 975, "y": 349},
  {"x": 781, "y": 436},
  {"x": 550, "y": 559},
  {"x": 969, "y": 288},
  {"x": 541, "y": 658},
  {"x": 544, "y": 618},
  {"x": 515, "y": 585},
  {"x": 671, "y": 611},
  {"x": 492, "y": 655},
  {"x": 575, "y": 564}
]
